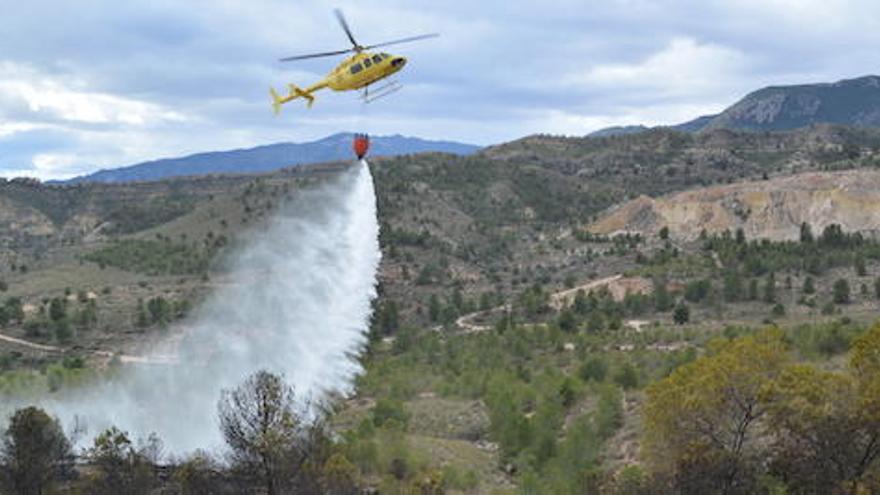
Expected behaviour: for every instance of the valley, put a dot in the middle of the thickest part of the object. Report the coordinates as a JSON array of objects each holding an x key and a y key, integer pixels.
[{"x": 530, "y": 295}]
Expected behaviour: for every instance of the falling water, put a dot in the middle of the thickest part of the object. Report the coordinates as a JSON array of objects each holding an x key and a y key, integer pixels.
[{"x": 300, "y": 306}]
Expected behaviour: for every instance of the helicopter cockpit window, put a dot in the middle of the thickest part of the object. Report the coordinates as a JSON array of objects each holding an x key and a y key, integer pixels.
[
  {"x": 377, "y": 59},
  {"x": 367, "y": 63},
  {"x": 356, "y": 68}
]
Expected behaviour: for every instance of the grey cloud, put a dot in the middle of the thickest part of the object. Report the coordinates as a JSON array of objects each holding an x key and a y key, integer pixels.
[{"x": 495, "y": 64}]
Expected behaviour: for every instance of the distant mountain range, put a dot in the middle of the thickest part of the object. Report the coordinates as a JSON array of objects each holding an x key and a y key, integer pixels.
[
  {"x": 854, "y": 102},
  {"x": 271, "y": 157}
]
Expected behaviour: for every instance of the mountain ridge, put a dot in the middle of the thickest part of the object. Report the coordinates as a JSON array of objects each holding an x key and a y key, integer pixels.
[
  {"x": 266, "y": 158},
  {"x": 854, "y": 102}
]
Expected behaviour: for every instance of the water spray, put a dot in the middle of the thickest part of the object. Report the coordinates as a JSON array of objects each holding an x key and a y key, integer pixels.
[{"x": 300, "y": 307}]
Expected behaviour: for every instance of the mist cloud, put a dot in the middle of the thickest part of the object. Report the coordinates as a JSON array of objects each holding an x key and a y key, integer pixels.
[{"x": 299, "y": 304}]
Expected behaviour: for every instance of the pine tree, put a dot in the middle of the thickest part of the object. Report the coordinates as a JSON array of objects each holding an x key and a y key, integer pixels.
[
  {"x": 841, "y": 291},
  {"x": 860, "y": 268},
  {"x": 682, "y": 314},
  {"x": 434, "y": 308},
  {"x": 770, "y": 289},
  {"x": 662, "y": 300},
  {"x": 810, "y": 288},
  {"x": 753, "y": 289}
]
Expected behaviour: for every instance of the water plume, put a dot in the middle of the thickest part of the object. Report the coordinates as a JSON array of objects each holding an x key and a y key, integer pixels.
[{"x": 299, "y": 305}]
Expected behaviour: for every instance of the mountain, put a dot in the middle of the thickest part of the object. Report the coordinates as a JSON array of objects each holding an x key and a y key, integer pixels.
[
  {"x": 271, "y": 157},
  {"x": 695, "y": 125},
  {"x": 853, "y": 102}
]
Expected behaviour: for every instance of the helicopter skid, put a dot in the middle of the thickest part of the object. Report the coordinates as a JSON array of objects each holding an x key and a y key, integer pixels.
[{"x": 381, "y": 92}]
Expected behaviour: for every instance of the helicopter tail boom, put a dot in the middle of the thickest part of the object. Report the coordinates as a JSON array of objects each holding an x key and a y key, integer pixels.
[{"x": 295, "y": 92}]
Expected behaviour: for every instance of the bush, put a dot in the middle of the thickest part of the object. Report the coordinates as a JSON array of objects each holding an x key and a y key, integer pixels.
[
  {"x": 387, "y": 410},
  {"x": 829, "y": 309},
  {"x": 594, "y": 368},
  {"x": 841, "y": 291},
  {"x": 682, "y": 314},
  {"x": 627, "y": 376},
  {"x": 609, "y": 412},
  {"x": 697, "y": 290},
  {"x": 778, "y": 310}
]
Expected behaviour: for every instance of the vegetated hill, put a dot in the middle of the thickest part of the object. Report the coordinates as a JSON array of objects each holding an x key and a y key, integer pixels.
[
  {"x": 503, "y": 227},
  {"x": 663, "y": 160},
  {"x": 271, "y": 157},
  {"x": 109, "y": 249},
  {"x": 500, "y": 220},
  {"x": 771, "y": 209},
  {"x": 618, "y": 130},
  {"x": 489, "y": 225},
  {"x": 36, "y": 215},
  {"x": 694, "y": 125},
  {"x": 853, "y": 102},
  {"x": 500, "y": 228}
]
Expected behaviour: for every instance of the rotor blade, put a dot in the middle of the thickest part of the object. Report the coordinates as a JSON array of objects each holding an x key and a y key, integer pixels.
[
  {"x": 315, "y": 55},
  {"x": 403, "y": 40},
  {"x": 344, "y": 24}
]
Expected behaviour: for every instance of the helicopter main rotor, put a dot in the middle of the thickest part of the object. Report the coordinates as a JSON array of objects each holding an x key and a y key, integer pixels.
[{"x": 356, "y": 48}]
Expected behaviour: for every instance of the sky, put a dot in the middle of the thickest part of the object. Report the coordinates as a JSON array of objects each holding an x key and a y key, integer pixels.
[{"x": 98, "y": 84}]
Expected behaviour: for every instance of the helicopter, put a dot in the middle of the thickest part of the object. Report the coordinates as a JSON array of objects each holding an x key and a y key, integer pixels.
[{"x": 356, "y": 72}]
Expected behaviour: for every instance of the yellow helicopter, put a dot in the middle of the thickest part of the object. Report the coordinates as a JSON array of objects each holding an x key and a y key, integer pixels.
[{"x": 356, "y": 72}]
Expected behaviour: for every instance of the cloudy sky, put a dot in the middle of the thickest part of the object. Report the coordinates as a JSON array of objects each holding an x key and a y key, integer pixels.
[{"x": 94, "y": 84}]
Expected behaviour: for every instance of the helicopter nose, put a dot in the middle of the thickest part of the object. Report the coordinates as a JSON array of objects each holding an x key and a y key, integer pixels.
[{"x": 398, "y": 62}]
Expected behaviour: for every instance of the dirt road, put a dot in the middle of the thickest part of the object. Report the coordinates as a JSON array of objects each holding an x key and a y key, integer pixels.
[
  {"x": 29, "y": 345},
  {"x": 561, "y": 298},
  {"x": 557, "y": 300},
  {"x": 124, "y": 358}
]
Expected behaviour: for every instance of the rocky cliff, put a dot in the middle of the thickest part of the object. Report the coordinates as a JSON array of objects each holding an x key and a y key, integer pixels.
[{"x": 771, "y": 209}]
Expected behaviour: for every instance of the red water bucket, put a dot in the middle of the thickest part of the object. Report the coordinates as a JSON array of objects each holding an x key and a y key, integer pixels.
[{"x": 361, "y": 145}]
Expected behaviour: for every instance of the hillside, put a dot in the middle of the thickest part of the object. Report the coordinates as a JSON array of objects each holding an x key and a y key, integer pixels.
[
  {"x": 492, "y": 224},
  {"x": 770, "y": 209},
  {"x": 618, "y": 131},
  {"x": 560, "y": 337},
  {"x": 510, "y": 347},
  {"x": 488, "y": 225},
  {"x": 852, "y": 102},
  {"x": 270, "y": 157},
  {"x": 485, "y": 226},
  {"x": 108, "y": 249}
]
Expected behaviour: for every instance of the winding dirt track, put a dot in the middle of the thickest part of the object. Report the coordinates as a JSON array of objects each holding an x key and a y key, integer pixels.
[
  {"x": 30, "y": 345},
  {"x": 124, "y": 358},
  {"x": 557, "y": 300}
]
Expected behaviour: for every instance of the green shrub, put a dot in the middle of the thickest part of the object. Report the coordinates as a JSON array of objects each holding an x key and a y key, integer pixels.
[
  {"x": 594, "y": 368},
  {"x": 388, "y": 410}
]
